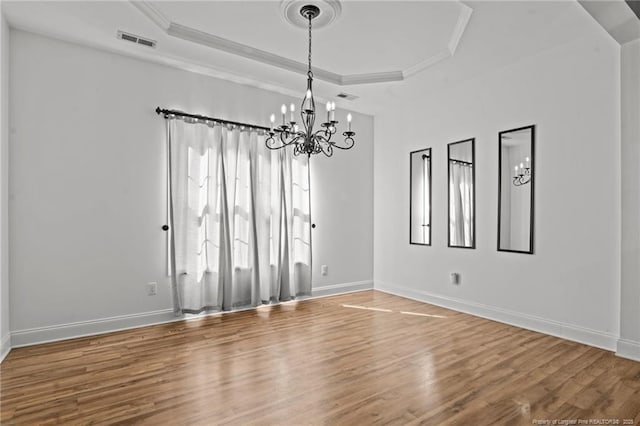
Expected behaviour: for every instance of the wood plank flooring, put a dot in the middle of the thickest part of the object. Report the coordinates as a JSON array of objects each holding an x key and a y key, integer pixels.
[{"x": 361, "y": 358}]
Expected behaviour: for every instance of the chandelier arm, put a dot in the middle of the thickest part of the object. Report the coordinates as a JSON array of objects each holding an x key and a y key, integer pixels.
[
  {"x": 348, "y": 139},
  {"x": 270, "y": 142},
  {"x": 283, "y": 139},
  {"x": 521, "y": 180},
  {"x": 322, "y": 134},
  {"x": 328, "y": 151},
  {"x": 326, "y": 138},
  {"x": 295, "y": 139}
]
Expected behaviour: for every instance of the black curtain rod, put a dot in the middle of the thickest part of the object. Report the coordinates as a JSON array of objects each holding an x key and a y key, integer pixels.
[
  {"x": 461, "y": 162},
  {"x": 167, "y": 112}
]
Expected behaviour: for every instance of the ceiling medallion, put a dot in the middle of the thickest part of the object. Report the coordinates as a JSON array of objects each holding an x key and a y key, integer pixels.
[{"x": 328, "y": 11}]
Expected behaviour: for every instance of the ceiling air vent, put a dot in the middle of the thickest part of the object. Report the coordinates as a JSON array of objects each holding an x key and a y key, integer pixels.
[
  {"x": 136, "y": 39},
  {"x": 347, "y": 96}
]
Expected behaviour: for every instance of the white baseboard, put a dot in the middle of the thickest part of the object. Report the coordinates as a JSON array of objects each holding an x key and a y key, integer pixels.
[
  {"x": 572, "y": 332},
  {"x": 54, "y": 333},
  {"x": 335, "y": 289},
  {"x": 5, "y": 346},
  {"x": 628, "y": 349}
]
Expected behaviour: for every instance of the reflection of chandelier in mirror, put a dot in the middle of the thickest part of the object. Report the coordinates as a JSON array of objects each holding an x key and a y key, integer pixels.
[
  {"x": 306, "y": 140},
  {"x": 522, "y": 173}
]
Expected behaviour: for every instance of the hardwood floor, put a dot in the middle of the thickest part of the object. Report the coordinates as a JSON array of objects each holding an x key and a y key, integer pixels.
[{"x": 360, "y": 358}]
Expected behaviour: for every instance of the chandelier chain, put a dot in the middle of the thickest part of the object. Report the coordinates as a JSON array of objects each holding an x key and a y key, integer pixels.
[{"x": 310, "y": 18}]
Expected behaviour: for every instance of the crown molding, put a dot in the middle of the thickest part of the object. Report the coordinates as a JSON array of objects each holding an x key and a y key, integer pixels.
[
  {"x": 196, "y": 36},
  {"x": 461, "y": 26},
  {"x": 432, "y": 60},
  {"x": 617, "y": 18},
  {"x": 151, "y": 12},
  {"x": 370, "y": 78},
  {"x": 203, "y": 38},
  {"x": 450, "y": 50}
]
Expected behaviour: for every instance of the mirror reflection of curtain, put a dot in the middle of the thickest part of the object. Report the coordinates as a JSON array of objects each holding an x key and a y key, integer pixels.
[
  {"x": 426, "y": 214},
  {"x": 240, "y": 220},
  {"x": 461, "y": 204},
  {"x": 420, "y": 215}
]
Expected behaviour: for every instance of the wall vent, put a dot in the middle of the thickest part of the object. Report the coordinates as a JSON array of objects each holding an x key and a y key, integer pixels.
[
  {"x": 347, "y": 96},
  {"x": 136, "y": 39}
]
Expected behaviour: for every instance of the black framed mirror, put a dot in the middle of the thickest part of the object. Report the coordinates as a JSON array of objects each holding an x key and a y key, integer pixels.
[
  {"x": 516, "y": 178},
  {"x": 462, "y": 194},
  {"x": 420, "y": 197}
]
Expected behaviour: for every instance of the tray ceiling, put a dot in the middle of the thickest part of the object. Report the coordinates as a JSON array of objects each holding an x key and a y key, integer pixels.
[{"x": 398, "y": 48}]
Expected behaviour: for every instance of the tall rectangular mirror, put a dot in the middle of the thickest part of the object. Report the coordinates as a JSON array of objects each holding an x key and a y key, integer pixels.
[
  {"x": 420, "y": 197},
  {"x": 462, "y": 194},
  {"x": 515, "y": 190}
]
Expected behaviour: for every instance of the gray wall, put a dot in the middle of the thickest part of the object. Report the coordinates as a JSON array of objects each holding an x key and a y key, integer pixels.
[{"x": 88, "y": 186}]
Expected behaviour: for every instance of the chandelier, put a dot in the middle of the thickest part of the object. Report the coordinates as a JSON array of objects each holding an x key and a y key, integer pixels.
[
  {"x": 306, "y": 140},
  {"x": 522, "y": 173}
]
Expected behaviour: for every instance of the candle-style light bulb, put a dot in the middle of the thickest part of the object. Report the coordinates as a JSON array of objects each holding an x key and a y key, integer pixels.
[
  {"x": 516, "y": 170},
  {"x": 273, "y": 120},
  {"x": 292, "y": 108},
  {"x": 332, "y": 113},
  {"x": 349, "y": 120},
  {"x": 527, "y": 160},
  {"x": 283, "y": 110},
  {"x": 328, "y": 111}
]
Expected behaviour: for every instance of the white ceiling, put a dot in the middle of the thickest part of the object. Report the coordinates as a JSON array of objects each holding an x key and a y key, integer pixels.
[
  {"x": 426, "y": 45},
  {"x": 366, "y": 38}
]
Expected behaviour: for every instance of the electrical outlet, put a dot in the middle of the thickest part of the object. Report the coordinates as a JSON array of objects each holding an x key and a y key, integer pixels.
[
  {"x": 324, "y": 270},
  {"x": 454, "y": 278},
  {"x": 152, "y": 289}
]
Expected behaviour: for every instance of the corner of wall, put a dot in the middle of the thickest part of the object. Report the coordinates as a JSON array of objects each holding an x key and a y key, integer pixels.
[
  {"x": 628, "y": 349},
  {"x": 5, "y": 336},
  {"x": 629, "y": 342},
  {"x": 5, "y": 346}
]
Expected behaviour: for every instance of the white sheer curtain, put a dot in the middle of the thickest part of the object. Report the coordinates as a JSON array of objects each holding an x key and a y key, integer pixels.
[
  {"x": 239, "y": 219},
  {"x": 460, "y": 204}
]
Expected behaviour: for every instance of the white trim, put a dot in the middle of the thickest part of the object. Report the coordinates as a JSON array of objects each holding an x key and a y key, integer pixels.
[
  {"x": 152, "y": 12},
  {"x": 420, "y": 66},
  {"x": 461, "y": 25},
  {"x": 219, "y": 43},
  {"x": 203, "y": 38},
  {"x": 370, "y": 78},
  {"x": 335, "y": 289},
  {"x": 629, "y": 349},
  {"x": 54, "y": 333},
  {"x": 450, "y": 50},
  {"x": 5, "y": 347},
  {"x": 572, "y": 332}
]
